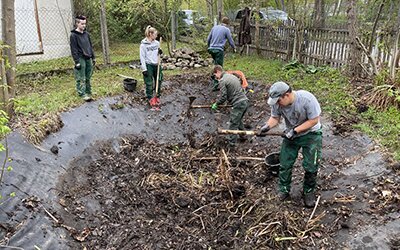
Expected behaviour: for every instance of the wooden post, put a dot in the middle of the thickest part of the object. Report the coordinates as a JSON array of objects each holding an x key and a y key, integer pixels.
[
  {"x": 104, "y": 34},
  {"x": 8, "y": 33},
  {"x": 173, "y": 29}
]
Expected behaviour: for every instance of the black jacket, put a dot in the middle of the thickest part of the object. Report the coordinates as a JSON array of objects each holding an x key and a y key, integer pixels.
[
  {"x": 81, "y": 45},
  {"x": 244, "y": 28}
]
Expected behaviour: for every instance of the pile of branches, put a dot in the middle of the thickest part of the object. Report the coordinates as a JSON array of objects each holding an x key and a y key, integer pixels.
[{"x": 161, "y": 196}]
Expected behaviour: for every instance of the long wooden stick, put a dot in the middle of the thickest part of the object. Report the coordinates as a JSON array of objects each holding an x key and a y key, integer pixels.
[
  {"x": 158, "y": 68},
  {"x": 245, "y": 132},
  {"x": 128, "y": 77},
  {"x": 209, "y": 106},
  {"x": 236, "y": 158}
]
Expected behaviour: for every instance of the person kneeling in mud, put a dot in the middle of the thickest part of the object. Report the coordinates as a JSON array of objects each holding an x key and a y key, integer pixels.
[{"x": 231, "y": 91}]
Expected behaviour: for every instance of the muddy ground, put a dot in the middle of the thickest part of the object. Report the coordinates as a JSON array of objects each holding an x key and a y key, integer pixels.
[{"x": 153, "y": 189}]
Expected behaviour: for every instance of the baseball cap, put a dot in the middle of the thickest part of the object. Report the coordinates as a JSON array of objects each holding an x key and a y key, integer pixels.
[{"x": 277, "y": 89}]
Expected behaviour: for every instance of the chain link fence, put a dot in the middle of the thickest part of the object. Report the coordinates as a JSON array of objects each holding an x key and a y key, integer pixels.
[{"x": 42, "y": 34}]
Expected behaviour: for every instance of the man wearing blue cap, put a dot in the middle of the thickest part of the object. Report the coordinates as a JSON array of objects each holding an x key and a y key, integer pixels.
[{"x": 301, "y": 112}]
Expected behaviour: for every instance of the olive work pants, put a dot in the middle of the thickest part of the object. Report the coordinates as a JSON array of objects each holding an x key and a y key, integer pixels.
[
  {"x": 150, "y": 80},
  {"x": 311, "y": 145},
  {"x": 218, "y": 59},
  {"x": 83, "y": 76},
  {"x": 236, "y": 119}
]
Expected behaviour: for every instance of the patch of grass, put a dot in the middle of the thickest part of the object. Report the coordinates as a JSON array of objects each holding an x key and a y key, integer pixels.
[
  {"x": 328, "y": 85},
  {"x": 383, "y": 126},
  {"x": 119, "y": 52}
]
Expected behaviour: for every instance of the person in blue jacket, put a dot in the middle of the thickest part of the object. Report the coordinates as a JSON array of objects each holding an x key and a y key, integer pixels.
[{"x": 216, "y": 40}]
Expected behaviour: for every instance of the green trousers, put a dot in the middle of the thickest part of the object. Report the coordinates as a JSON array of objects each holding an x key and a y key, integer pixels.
[
  {"x": 218, "y": 59},
  {"x": 150, "y": 80},
  {"x": 311, "y": 145},
  {"x": 236, "y": 119},
  {"x": 83, "y": 76}
]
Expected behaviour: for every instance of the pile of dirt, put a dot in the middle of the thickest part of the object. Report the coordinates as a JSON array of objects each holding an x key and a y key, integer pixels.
[{"x": 151, "y": 196}]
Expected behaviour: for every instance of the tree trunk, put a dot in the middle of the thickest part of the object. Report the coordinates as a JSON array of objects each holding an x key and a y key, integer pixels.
[
  {"x": 210, "y": 9},
  {"x": 354, "y": 61},
  {"x": 283, "y": 5},
  {"x": 8, "y": 32},
  {"x": 319, "y": 13},
  {"x": 393, "y": 65},
  {"x": 257, "y": 32},
  {"x": 104, "y": 34},
  {"x": 173, "y": 29},
  {"x": 220, "y": 11},
  {"x": 336, "y": 11}
]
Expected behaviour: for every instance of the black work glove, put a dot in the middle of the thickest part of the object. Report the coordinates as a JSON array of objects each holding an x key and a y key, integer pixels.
[
  {"x": 78, "y": 66},
  {"x": 263, "y": 130},
  {"x": 93, "y": 62},
  {"x": 160, "y": 51},
  {"x": 145, "y": 74},
  {"x": 290, "y": 134}
]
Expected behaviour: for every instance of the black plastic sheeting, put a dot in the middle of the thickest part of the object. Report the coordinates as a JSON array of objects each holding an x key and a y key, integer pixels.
[{"x": 36, "y": 169}]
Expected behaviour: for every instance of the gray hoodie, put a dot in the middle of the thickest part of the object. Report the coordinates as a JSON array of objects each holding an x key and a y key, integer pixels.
[{"x": 148, "y": 53}]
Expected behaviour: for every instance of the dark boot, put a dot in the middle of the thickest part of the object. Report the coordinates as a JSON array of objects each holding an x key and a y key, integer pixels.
[{"x": 309, "y": 199}]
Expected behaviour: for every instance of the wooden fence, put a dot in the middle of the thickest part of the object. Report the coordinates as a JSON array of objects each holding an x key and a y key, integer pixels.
[{"x": 313, "y": 46}]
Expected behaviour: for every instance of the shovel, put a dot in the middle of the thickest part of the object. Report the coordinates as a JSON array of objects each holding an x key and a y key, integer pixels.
[
  {"x": 246, "y": 132},
  {"x": 155, "y": 101}
]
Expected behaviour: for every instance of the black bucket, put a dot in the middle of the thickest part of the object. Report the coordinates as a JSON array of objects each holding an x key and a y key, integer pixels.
[
  {"x": 130, "y": 84},
  {"x": 273, "y": 163}
]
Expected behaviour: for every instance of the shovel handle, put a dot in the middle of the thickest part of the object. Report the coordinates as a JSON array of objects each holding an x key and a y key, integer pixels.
[
  {"x": 129, "y": 77},
  {"x": 244, "y": 132},
  {"x": 208, "y": 106}
]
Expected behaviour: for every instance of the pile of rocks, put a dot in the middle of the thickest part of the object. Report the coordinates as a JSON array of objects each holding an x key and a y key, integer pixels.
[{"x": 184, "y": 58}]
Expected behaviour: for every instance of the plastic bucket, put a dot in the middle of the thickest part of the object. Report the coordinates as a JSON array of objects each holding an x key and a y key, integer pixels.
[
  {"x": 130, "y": 84},
  {"x": 273, "y": 163}
]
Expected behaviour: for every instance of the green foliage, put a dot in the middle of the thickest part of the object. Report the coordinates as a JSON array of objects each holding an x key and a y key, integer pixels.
[
  {"x": 4, "y": 130},
  {"x": 383, "y": 126}
]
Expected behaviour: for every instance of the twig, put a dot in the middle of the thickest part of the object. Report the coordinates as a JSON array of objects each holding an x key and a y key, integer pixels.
[
  {"x": 51, "y": 216},
  {"x": 285, "y": 238},
  {"x": 315, "y": 207}
]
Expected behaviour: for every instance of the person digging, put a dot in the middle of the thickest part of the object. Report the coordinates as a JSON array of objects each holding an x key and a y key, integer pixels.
[
  {"x": 231, "y": 91},
  {"x": 301, "y": 112}
]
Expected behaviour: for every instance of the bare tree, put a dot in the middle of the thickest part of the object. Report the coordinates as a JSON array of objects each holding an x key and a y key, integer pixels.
[
  {"x": 220, "y": 9},
  {"x": 319, "y": 13},
  {"x": 8, "y": 31},
  {"x": 354, "y": 62},
  {"x": 104, "y": 34}
]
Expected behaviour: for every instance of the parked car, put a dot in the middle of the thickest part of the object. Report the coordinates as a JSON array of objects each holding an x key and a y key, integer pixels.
[
  {"x": 188, "y": 19},
  {"x": 191, "y": 17},
  {"x": 264, "y": 15}
]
